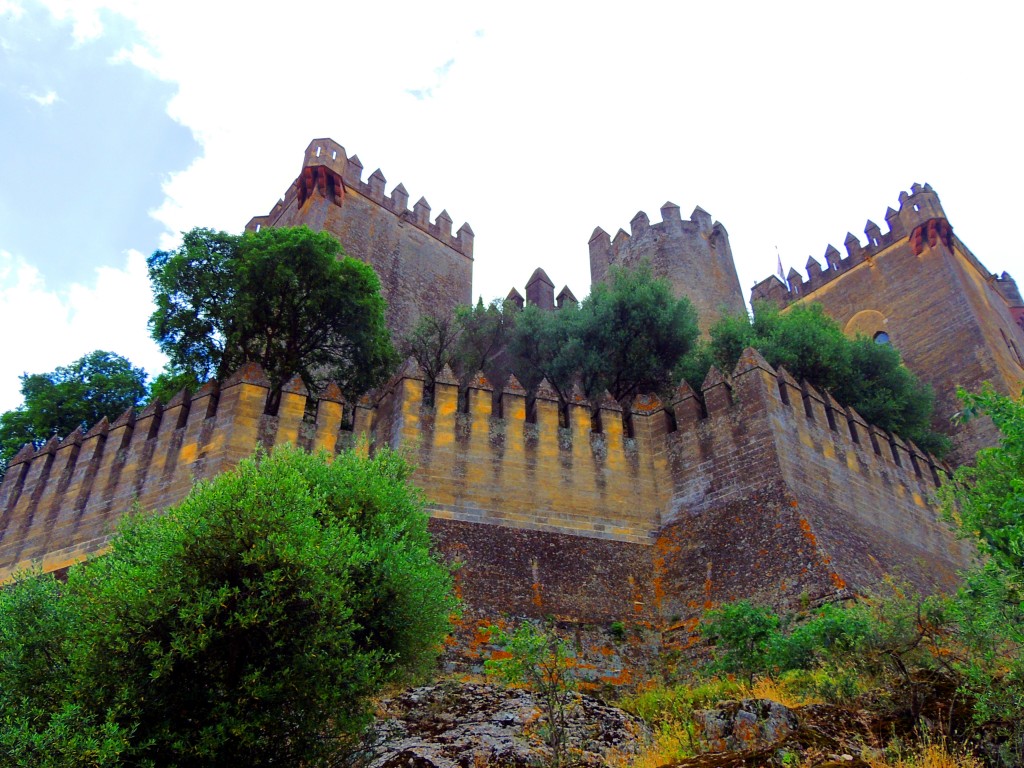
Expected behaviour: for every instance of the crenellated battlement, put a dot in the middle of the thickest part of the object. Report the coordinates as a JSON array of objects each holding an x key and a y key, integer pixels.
[
  {"x": 328, "y": 171},
  {"x": 920, "y": 218},
  {"x": 692, "y": 254},
  {"x": 699, "y": 223},
  {"x": 423, "y": 266},
  {"x": 591, "y": 472}
]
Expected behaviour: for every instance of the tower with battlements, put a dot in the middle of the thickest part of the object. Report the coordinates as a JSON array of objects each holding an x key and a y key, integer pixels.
[
  {"x": 693, "y": 255},
  {"x": 919, "y": 288},
  {"x": 422, "y": 266}
]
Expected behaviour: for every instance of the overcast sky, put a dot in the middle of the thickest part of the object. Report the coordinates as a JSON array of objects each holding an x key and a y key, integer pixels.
[{"x": 124, "y": 123}]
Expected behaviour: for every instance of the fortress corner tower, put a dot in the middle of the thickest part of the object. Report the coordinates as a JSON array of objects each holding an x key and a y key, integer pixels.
[
  {"x": 422, "y": 266},
  {"x": 919, "y": 288},
  {"x": 694, "y": 256}
]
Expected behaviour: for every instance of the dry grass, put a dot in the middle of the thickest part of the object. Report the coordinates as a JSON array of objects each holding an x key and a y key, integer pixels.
[
  {"x": 669, "y": 746},
  {"x": 928, "y": 756},
  {"x": 769, "y": 688}
]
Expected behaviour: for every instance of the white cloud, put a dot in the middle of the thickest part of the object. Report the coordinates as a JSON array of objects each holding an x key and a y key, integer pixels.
[
  {"x": 45, "y": 99},
  {"x": 440, "y": 75},
  {"x": 789, "y": 124},
  {"x": 11, "y": 8},
  {"x": 84, "y": 16},
  {"x": 538, "y": 124},
  {"x": 44, "y": 328}
]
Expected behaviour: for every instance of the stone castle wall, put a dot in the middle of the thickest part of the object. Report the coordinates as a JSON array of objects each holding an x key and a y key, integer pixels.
[
  {"x": 757, "y": 487},
  {"x": 423, "y": 267},
  {"x": 780, "y": 494},
  {"x": 939, "y": 306}
]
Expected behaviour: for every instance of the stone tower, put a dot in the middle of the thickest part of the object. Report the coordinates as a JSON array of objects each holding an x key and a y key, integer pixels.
[
  {"x": 694, "y": 256},
  {"x": 919, "y": 285},
  {"x": 422, "y": 266}
]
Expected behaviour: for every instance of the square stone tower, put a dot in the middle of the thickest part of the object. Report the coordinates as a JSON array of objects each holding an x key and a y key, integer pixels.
[
  {"x": 422, "y": 266},
  {"x": 919, "y": 285}
]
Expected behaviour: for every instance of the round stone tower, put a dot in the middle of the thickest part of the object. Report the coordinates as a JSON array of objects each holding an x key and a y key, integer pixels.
[{"x": 694, "y": 256}]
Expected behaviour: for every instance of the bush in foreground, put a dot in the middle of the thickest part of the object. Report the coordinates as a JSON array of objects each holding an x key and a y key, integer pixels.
[{"x": 246, "y": 626}]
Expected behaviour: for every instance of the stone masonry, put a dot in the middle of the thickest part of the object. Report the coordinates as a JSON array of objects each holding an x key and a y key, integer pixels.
[
  {"x": 759, "y": 486},
  {"x": 694, "y": 256},
  {"x": 952, "y": 321}
]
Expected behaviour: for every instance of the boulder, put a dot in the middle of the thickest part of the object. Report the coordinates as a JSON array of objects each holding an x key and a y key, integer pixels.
[{"x": 746, "y": 724}]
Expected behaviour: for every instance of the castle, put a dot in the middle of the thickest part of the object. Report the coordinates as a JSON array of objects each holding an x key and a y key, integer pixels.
[{"x": 757, "y": 486}]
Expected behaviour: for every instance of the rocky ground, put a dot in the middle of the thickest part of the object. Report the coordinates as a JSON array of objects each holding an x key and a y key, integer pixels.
[
  {"x": 470, "y": 725},
  {"x": 760, "y": 732}
]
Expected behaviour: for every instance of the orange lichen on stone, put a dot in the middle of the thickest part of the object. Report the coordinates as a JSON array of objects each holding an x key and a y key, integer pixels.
[
  {"x": 805, "y": 527},
  {"x": 538, "y": 600},
  {"x": 625, "y": 677}
]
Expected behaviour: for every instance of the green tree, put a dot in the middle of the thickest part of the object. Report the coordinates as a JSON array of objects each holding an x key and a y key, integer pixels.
[
  {"x": 170, "y": 381},
  {"x": 485, "y": 331},
  {"x": 538, "y": 658},
  {"x": 474, "y": 339},
  {"x": 280, "y": 297},
  {"x": 867, "y": 376},
  {"x": 627, "y": 337},
  {"x": 743, "y": 634},
  {"x": 433, "y": 344},
  {"x": 546, "y": 345},
  {"x": 986, "y": 500},
  {"x": 632, "y": 333},
  {"x": 246, "y": 626},
  {"x": 77, "y": 395}
]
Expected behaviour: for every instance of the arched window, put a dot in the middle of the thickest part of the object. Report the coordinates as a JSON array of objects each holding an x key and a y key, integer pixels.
[{"x": 882, "y": 338}]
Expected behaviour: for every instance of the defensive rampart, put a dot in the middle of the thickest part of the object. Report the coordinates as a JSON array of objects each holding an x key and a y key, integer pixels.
[
  {"x": 920, "y": 218},
  {"x": 780, "y": 494},
  {"x": 757, "y": 487}
]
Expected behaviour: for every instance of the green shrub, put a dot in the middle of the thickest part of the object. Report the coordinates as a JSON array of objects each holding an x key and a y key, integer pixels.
[
  {"x": 540, "y": 659},
  {"x": 858, "y": 372},
  {"x": 744, "y": 635},
  {"x": 249, "y": 625}
]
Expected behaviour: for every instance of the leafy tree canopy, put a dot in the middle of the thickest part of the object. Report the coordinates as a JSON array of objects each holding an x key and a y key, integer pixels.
[
  {"x": 475, "y": 339},
  {"x": 631, "y": 333},
  {"x": 246, "y": 626},
  {"x": 867, "y": 376},
  {"x": 486, "y": 331},
  {"x": 280, "y": 297},
  {"x": 987, "y": 498},
  {"x": 433, "y": 343},
  {"x": 170, "y": 381},
  {"x": 77, "y": 395},
  {"x": 626, "y": 337}
]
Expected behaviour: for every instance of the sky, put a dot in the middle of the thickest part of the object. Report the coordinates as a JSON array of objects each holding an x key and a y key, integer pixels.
[{"x": 124, "y": 123}]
